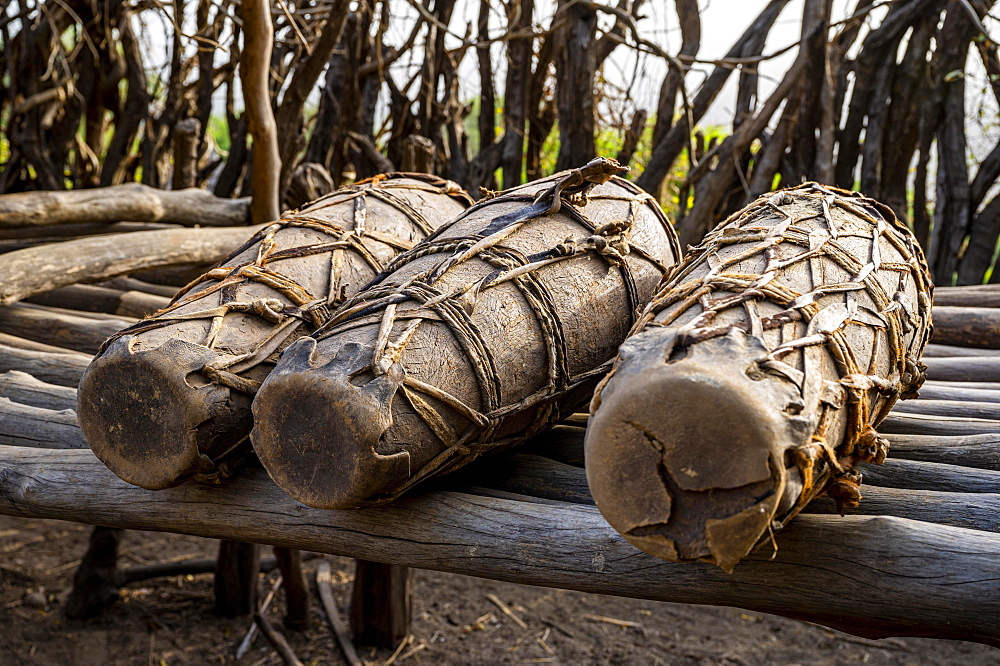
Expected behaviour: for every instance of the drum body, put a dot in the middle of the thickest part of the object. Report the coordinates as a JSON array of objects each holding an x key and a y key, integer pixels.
[
  {"x": 481, "y": 336},
  {"x": 168, "y": 398},
  {"x": 755, "y": 378}
]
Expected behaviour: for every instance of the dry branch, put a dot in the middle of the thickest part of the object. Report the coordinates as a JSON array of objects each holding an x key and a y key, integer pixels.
[
  {"x": 975, "y": 511},
  {"x": 916, "y": 581},
  {"x": 254, "y": 74},
  {"x": 939, "y": 477},
  {"x": 24, "y": 425},
  {"x": 31, "y": 345},
  {"x": 917, "y": 424},
  {"x": 58, "y": 327},
  {"x": 978, "y": 386},
  {"x": 340, "y": 630},
  {"x": 23, "y": 388},
  {"x": 39, "y": 269},
  {"x": 966, "y": 327},
  {"x": 940, "y": 351},
  {"x": 531, "y": 476},
  {"x": 64, "y": 369},
  {"x": 278, "y": 641},
  {"x": 977, "y": 296},
  {"x": 951, "y": 408},
  {"x": 93, "y": 298},
  {"x": 61, "y": 232},
  {"x": 978, "y": 451},
  {"x": 133, "y": 284},
  {"x": 964, "y": 369},
  {"x": 943, "y": 391},
  {"x": 132, "y": 202}
]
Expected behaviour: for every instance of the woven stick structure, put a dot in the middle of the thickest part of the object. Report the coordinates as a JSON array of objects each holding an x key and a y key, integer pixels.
[
  {"x": 168, "y": 399},
  {"x": 754, "y": 379},
  {"x": 481, "y": 336}
]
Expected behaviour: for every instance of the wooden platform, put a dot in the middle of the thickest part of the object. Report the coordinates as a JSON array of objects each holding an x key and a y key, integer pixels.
[{"x": 920, "y": 557}]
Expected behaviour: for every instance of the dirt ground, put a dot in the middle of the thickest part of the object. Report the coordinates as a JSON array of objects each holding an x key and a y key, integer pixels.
[{"x": 170, "y": 620}]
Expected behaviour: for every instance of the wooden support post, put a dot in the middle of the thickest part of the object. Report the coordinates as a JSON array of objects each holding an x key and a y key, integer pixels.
[
  {"x": 236, "y": 578},
  {"x": 186, "y": 153},
  {"x": 296, "y": 588},
  {"x": 95, "y": 585},
  {"x": 381, "y": 603}
]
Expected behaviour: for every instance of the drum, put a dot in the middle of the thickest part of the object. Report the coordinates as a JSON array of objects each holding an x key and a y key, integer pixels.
[
  {"x": 755, "y": 378},
  {"x": 483, "y": 335},
  {"x": 168, "y": 399}
]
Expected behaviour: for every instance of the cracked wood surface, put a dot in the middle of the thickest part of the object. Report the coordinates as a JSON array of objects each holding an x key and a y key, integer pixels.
[
  {"x": 927, "y": 559},
  {"x": 908, "y": 577},
  {"x": 36, "y": 270},
  {"x": 132, "y": 202}
]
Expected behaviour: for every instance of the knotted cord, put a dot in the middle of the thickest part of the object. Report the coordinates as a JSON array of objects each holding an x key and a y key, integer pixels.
[
  {"x": 454, "y": 308},
  {"x": 299, "y": 307},
  {"x": 902, "y": 327}
]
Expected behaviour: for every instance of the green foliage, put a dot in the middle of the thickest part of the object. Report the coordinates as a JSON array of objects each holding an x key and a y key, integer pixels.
[
  {"x": 218, "y": 129},
  {"x": 608, "y": 142}
]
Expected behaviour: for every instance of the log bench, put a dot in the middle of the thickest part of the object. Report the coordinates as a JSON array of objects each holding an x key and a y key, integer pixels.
[{"x": 919, "y": 557}]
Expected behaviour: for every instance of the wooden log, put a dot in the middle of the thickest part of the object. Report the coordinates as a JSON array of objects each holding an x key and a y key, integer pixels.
[
  {"x": 296, "y": 589},
  {"x": 55, "y": 310},
  {"x": 964, "y": 369},
  {"x": 92, "y": 298},
  {"x": 64, "y": 369},
  {"x": 972, "y": 296},
  {"x": 943, "y": 391},
  {"x": 967, "y": 326},
  {"x": 64, "y": 232},
  {"x": 36, "y": 270},
  {"x": 979, "y": 386},
  {"x": 921, "y": 475},
  {"x": 94, "y": 585},
  {"x": 236, "y": 569},
  {"x": 381, "y": 603},
  {"x": 25, "y": 425},
  {"x": 950, "y": 408},
  {"x": 935, "y": 350},
  {"x": 919, "y": 424},
  {"x": 24, "y": 243},
  {"x": 134, "y": 284},
  {"x": 918, "y": 578},
  {"x": 72, "y": 331},
  {"x": 31, "y": 345},
  {"x": 185, "y": 139},
  {"x": 174, "y": 277},
  {"x": 978, "y": 451},
  {"x": 533, "y": 476},
  {"x": 21, "y": 387},
  {"x": 563, "y": 443},
  {"x": 255, "y": 69},
  {"x": 974, "y": 511},
  {"x": 132, "y": 201},
  {"x": 190, "y": 567}
]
